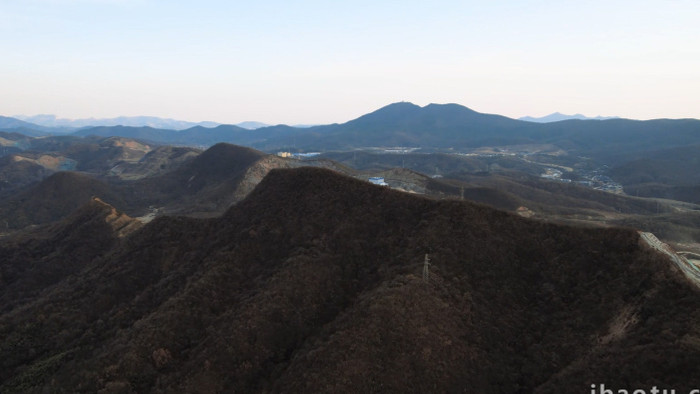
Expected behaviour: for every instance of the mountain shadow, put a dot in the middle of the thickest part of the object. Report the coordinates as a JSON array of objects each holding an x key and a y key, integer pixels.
[
  {"x": 53, "y": 199},
  {"x": 37, "y": 258}
]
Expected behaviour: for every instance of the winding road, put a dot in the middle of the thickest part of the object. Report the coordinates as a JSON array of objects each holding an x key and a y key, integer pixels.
[{"x": 688, "y": 268}]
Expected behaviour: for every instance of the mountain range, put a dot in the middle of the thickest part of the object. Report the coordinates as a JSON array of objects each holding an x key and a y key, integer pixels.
[
  {"x": 52, "y": 121},
  {"x": 447, "y": 126},
  {"x": 54, "y": 124},
  {"x": 454, "y": 129},
  {"x": 26, "y": 128},
  {"x": 443, "y": 127}
]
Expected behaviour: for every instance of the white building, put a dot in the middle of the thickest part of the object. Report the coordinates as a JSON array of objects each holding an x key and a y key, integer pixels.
[{"x": 377, "y": 180}]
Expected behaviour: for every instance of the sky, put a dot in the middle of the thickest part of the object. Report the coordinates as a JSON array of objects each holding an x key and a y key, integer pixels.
[{"x": 315, "y": 62}]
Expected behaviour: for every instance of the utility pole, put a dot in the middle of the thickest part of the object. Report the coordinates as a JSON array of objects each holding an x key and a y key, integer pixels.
[{"x": 426, "y": 268}]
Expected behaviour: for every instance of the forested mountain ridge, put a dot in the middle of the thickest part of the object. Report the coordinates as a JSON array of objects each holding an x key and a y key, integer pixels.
[{"x": 313, "y": 283}]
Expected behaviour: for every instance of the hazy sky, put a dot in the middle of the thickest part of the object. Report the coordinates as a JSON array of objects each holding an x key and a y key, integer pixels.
[{"x": 331, "y": 61}]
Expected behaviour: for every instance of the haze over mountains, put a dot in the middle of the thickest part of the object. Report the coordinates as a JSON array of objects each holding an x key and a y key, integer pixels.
[
  {"x": 447, "y": 126},
  {"x": 134, "y": 121},
  {"x": 51, "y": 123}
]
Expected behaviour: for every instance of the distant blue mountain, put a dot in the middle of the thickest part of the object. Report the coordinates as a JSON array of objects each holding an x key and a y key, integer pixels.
[
  {"x": 20, "y": 126},
  {"x": 131, "y": 121},
  {"x": 251, "y": 125},
  {"x": 558, "y": 117}
]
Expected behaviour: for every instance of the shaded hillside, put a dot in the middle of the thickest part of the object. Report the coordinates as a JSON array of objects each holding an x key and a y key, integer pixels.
[
  {"x": 12, "y": 123},
  {"x": 410, "y": 181},
  {"x": 434, "y": 163},
  {"x": 15, "y": 125},
  {"x": 165, "y": 180},
  {"x": 206, "y": 183},
  {"x": 682, "y": 193},
  {"x": 36, "y": 259},
  {"x": 425, "y": 163},
  {"x": 679, "y": 226},
  {"x": 615, "y": 141},
  {"x": 570, "y": 203},
  {"x": 672, "y": 173},
  {"x": 16, "y": 173},
  {"x": 12, "y": 142},
  {"x": 36, "y": 158},
  {"x": 100, "y": 156},
  {"x": 56, "y": 143},
  {"x": 505, "y": 180},
  {"x": 312, "y": 284},
  {"x": 559, "y": 197},
  {"x": 485, "y": 195},
  {"x": 53, "y": 199},
  {"x": 213, "y": 181}
]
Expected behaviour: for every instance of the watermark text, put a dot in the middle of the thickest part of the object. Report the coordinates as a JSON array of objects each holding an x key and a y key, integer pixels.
[{"x": 601, "y": 389}]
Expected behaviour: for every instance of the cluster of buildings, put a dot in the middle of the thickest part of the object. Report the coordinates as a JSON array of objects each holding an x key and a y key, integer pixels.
[
  {"x": 298, "y": 155},
  {"x": 593, "y": 179}
]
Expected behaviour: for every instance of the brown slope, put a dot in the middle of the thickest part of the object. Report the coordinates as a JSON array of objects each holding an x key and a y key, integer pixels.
[
  {"x": 16, "y": 173},
  {"x": 98, "y": 156},
  {"x": 45, "y": 156},
  {"x": 311, "y": 284},
  {"x": 160, "y": 160}
]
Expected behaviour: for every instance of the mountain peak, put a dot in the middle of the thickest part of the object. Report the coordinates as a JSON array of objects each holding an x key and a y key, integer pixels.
[
  {"x": 403, "y": 112},
  {"x": 398, "y": 107}
]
